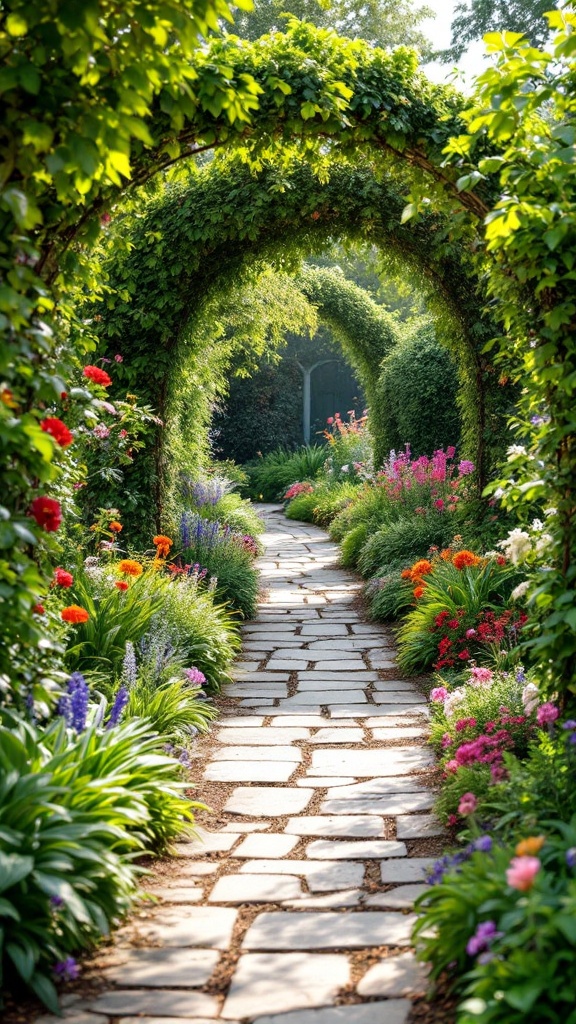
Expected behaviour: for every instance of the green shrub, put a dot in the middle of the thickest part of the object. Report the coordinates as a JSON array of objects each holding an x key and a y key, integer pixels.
[
  {"x": 173, "y": 708},
  {"x": 417, "y": 391},
  {"x": 271, "y": 476},
  {"x": 325, "y": 502},
  {"x": 238, "y": 514},
  {"x": 370, "y": 505},
  {"x": 404, "y": 541},
  {"x": 74, "y": 810},
  {"x": 302, "y": 507},
  {"x": 390, "y": 596},
  {"x": 352, "y": 544}
]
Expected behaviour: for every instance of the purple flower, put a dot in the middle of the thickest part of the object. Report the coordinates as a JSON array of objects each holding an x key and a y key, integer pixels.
[
  {"x": 129, "y": 666},
  {"x": 184, "y": 758},
  {"x": 485, "y": 934},
  {"x": 66, "y": 970},
  {"x": 569, "y": 725},
  {"x": 547, "y": 713},
  {"x": 483, "y": 844},
  {"x": 466, "y": 467},
  {"x": 195, "y": 676},
  {"x": 73, "y": 706},
  {"x": 120, "y": 701},
  {"x": 56, "y": 902},
  {"x": 571, "y": 857}
]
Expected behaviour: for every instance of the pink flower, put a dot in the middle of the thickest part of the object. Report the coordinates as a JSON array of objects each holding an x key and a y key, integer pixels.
[
  {"x": 547, "y": 713},
  {"x": 452, "y": 766},
  {"x": 330, "y": 421},
  {"x": 118, "y": 358},
  {"x": 470, "y": 633},
  {"x": 468, "y": 804},
  {"x": 195, "y": 676},
  {"x": 481, "y": 676},
  {"x": 453, "y": 820},
  {"x": 439, "y": 694},
  {"x": 446, "y": 740},
  {"x": 450, "y": 452},
  {"x": 101, "y": 431},
  {"x": 439, "y": 504},
  {"x": 522, "y": 872}
]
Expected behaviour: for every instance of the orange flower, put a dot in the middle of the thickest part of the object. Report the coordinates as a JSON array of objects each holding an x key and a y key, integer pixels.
[
  {"x": 406, "y": 574},
  {"x": 421, "y": 568},
  {"x": 163, "y": 545},
  {"x": 463, "y": 558},
  {"x": 121, "y": 585},
  {"x": 74, "y": 613},
  {"x": 128, "y": 567},
  {"x": 418, "y": 591},
  {"x": 530, "y": 847},
  {"x": 115, "y": 526},
  {"x": 446, "y": 554}
]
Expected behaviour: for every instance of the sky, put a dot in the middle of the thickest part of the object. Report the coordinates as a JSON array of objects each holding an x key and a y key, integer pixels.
[{"x": 438, "y": 30}]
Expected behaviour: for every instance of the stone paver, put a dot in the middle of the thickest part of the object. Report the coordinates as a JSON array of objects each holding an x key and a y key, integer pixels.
[
  {"x": 316, "y": 750},
  {"x": 266, "y": 983},
  {"x": 354, "y": 930}
]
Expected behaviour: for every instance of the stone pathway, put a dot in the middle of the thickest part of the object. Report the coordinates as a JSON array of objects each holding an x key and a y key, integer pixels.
[{"x": 297, "y": 908}]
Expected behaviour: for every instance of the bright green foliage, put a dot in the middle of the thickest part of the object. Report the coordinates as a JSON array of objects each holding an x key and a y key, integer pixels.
[
  {"x": 323, "y": 504},
  {"x": 202, "y": 631},
  {"x": 226, "y": 560},
  {"x": 405, "y": 540},
  {"x": 73, "y": 812},
  {"x": 473, "y": 19},
  {"x": 417, "y": 394},
  {"x": 172, "y": 708},
  {"x": 271, "y": 476},
  {"x": 524, "y": 109}
]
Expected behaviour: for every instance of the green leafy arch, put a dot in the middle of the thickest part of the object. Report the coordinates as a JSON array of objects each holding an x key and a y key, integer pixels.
[{"x": 223, "y": 225}]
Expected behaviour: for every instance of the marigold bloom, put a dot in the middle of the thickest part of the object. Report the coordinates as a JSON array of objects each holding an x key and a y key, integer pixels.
[
  {"x": 463, "y": 558},
  {"x": 58, "y": 430},
  {"x": 63, "y": 578},
  {"x": 129, "y": 567},
  {"x": 406, "y": 574},
  {"x": 418, "y": 591},
  {"x": 163, "y": 545},
  {"x": 74, "y": 613},
  {"x": 97, "y": 376},
  {"x": 522, "y": 872},
  {"x": 115, "y": 526},
  {"x": 47, "y": 513},
  {"x": 446, "y": 555},
  {"x": 121, "y": 585},
  {"x": 531, "y": 846}
]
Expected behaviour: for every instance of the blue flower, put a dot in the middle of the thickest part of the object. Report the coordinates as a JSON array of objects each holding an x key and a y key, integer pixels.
[
  {"x": 483, "y": 844},
  {"x": 73, "y": 706},
  {"x": 120, "y": 701}
]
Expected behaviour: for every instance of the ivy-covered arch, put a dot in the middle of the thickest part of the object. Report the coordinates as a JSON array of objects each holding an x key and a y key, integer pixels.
[{"x": 222, "y": 225}]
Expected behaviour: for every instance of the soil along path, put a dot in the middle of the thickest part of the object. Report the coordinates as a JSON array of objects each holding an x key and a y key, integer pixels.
[{"x": 296, "y": 907}]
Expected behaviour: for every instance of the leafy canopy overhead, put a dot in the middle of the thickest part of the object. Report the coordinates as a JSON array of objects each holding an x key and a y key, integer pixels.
[
  {"x": 386, "y": 23},
  {"x": 474, "y": 19}
]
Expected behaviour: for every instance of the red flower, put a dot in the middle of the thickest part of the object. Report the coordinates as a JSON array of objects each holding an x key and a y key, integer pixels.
[
  {"x": 98, "y": 376},
  {"x": 47, "y": 513},
  {"x": 500, "y": 560},
  {"x": 453, "y": 624},
  {"x": 63, "y": 395},
  {"x": 121, "y": 584},
  {"x": 38, "y": 609},
  {"x": 58, "y": 430},
  {"x": 464, "y": 655},
  {"x": 418, "y": 591},
  {"x": 74, "y": 613},
  {"x": 63, "y": 578}
]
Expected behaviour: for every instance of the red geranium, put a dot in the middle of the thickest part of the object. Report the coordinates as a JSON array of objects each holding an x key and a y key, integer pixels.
[
  {"x": 121, "y": 584},
  {"x": 47, "y": 513},
  {"x": 98, "y": 376},
  {"x": 63, "y": 578},
  {"x": 58, "y": 430}
]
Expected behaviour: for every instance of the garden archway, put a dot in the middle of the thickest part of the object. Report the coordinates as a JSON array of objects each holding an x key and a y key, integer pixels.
[{"x": 219, "y": 226}]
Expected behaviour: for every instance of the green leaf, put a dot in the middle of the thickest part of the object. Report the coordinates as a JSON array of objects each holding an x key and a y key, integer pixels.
[
  {"x": 16, "y": 25},
  {"x": 13, "y": 868}
]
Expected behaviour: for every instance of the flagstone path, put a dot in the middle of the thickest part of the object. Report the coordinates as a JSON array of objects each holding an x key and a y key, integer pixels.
[{"x": 297, "y": 908}]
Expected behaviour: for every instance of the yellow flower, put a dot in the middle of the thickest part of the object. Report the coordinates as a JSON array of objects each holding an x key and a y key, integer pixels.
[{"x": 530, "y": 847}]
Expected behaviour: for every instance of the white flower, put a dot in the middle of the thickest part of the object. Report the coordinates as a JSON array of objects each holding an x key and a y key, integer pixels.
[
  {"x": 345, "y": 469},
  {"x": 520, "y": 590},
  {"x": 453, "y": 700},
  {"x": 543, "y": 543},
  {"x": 537, "y": 525},
  {"x": 499, "y": 492},
  {"x": 515, "y": 449},
  {"x": 550, "y": 512},
  {"x": 516, "y": 546},
  {"x": 530, "y": 697}
]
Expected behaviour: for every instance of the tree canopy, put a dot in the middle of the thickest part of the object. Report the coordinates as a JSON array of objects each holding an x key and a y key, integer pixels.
[{"x": 474, "y": 19}]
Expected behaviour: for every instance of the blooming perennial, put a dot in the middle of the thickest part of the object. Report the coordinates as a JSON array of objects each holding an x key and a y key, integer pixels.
[
  {"x": 57, "y": 430},
  {"x": 97, "y": 376}
]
